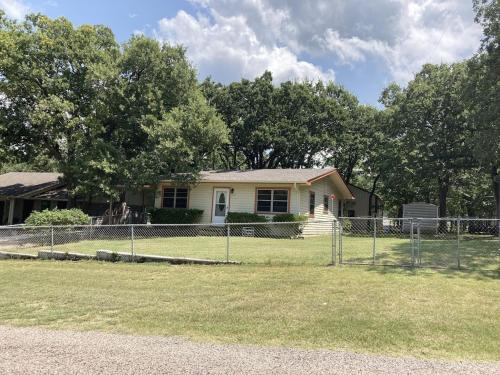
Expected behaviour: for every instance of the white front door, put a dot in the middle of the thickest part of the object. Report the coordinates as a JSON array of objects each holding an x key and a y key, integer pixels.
[{"x": 220, "y": 205}]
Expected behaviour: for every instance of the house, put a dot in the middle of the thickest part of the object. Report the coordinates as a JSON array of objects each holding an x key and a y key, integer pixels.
[
  {"x": 360, "y": 207},
  {"x": 268, "y": 192},
  {"x": 23, "y": 192}
]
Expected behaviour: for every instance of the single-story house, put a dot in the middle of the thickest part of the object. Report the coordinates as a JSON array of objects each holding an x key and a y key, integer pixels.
[
  {"x": 268, "y": 192},
  {"x": 360, "y": 207},
  {"x": 23, "y": 192},
  {"x": 317, "y": 193}
]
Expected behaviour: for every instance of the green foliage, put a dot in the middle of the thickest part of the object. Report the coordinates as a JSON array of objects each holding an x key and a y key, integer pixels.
[
  {"x": 245, "y": 217},
  {"x": 175, "y": 216},
  {"x": 72, "y": 216},
  {"x": 289, "y": 218}
]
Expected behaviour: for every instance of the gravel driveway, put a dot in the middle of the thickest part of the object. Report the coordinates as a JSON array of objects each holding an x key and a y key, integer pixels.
[{"x": 38, "y": 351}]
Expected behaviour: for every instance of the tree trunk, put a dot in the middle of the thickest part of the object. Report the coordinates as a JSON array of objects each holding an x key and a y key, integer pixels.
[
  {"x": 444, "y": 186},
  {"x": 495, "y": 180},
  {"x": 372, "y": 193}
]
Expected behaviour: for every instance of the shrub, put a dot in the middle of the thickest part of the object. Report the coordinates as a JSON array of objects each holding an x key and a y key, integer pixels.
[
  {"x": 175, "y": 216},
  {"x": 245, "y": 217},
  {"x": 72, "y": 216},
  {"x": 289, "y": 218}
]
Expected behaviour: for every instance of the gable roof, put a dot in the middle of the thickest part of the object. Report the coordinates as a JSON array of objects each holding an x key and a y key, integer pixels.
[
  {"x": 300, "y": 176},
  {"x": 18, "y": 184}
]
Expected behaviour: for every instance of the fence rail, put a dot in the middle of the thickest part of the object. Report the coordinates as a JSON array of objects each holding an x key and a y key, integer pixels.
[
  {"x": 451, "y": 243},
  {"x": 421, "y": 242}
]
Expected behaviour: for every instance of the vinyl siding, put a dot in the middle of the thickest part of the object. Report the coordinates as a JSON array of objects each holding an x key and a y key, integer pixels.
[{"x": 242, "y": 199}]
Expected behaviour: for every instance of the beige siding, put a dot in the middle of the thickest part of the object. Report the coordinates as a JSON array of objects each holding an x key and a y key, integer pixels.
[
  {"x": 242, "y": 198},
  {"x": 320, "y": 188},
  {"x": 360, "y": 204}
]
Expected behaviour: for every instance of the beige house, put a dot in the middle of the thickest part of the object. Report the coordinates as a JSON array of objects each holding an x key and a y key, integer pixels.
[
  {"x": 361, "y": 206},
  {"x": 268, "y": 192}
]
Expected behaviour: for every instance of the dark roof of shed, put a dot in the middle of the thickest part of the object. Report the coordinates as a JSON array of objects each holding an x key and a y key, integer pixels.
[{"x": 18, "y": 184}]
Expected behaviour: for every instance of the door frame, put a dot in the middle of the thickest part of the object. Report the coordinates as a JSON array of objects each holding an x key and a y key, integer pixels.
[{"x": 228, "y": 204}]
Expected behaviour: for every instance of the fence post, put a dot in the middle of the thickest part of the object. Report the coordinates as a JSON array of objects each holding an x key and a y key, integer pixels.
[
  {"x": 334, "y": 243},
  {"x": 374, "y": 239},
  {"x": 458, "y": 243},
  {"x": 419, "y": 258},
  {"x": 132, "y": 240},
  {"x": 227, "y": 242},
  {"x": 51, "y": 239},
  {"x": 412, "y": 241},
  {"x": 341, "y": 247}
]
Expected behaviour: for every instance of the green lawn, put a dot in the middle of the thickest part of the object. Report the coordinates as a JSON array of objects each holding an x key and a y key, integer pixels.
[
  {"x": 424, "y": 313},
  {"x": 475, "y": 252}
]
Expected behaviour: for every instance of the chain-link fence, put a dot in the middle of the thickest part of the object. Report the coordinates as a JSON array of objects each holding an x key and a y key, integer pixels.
[
  {"x": 292, "y": 243},
  {"x": 452, "y": 242},
  {"x": 459, "y": 243}
]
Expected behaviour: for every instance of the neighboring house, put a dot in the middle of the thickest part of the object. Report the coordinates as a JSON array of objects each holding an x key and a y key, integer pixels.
[
  {"x": 361, "y": 206},
  {"x": 23, "y": 192},
  {"x": 268, "y": 192}
]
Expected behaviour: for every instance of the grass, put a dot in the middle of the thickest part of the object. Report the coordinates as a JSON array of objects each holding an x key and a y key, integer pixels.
[
  {"x": 395, "y": 311},
  {"x": 475, "y": 252}
]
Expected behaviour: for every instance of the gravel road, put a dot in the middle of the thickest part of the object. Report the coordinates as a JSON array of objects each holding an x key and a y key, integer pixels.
[{"x": 38, "y": 351}]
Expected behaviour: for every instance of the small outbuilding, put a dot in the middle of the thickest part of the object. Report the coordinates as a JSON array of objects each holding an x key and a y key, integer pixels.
[{"x": 427, "y": 213}]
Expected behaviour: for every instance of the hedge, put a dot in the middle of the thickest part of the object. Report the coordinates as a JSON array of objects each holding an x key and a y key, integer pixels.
[
  {"x": 289, "y": 218},
  {"x": 245, "y": 217},
  {"x": 175, "y": 216},
  {"x": 72, "y": 216}
]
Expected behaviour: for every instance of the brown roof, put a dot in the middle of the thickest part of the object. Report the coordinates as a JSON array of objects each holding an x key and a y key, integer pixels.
[
  {"x": 16, "y": 184},
  {"x": 301, "y": 176}
]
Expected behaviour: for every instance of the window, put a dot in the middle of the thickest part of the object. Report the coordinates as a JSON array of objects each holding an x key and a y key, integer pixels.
[
  {"x": 326, "y": 200},
  {"x": 312, "y": 202},
  {"x": 351, "y": 213},
  {"x": 175, "y": 198},
  {"x": 272, "y": 200}
]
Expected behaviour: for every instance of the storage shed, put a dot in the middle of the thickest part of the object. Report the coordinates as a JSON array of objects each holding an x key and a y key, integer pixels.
[{"x": 422, "y": 211}]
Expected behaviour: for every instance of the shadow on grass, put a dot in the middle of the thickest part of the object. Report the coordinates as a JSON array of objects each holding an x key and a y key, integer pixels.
[{"x": 475, "y": 256}]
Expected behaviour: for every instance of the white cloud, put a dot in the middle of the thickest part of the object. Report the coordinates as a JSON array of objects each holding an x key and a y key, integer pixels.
[
  {"x": 403, "y": 33},
  {"x": 227, "y": 49},
  {"x": 14, "y": 8}
]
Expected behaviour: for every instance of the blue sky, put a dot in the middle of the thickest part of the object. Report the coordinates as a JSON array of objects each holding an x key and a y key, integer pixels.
[{"x": 363, "y": 45}]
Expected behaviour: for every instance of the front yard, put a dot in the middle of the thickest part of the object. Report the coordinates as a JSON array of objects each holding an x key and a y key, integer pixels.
[
  {"x": 423, "y": 313},
  {"x": 475, "y": 252}
]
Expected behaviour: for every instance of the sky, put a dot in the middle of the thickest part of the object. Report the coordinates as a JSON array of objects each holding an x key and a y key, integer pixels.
[{"x": 363, "y": 45}]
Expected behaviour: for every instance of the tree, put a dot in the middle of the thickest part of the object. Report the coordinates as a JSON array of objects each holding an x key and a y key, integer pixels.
[
  {"x": 484, "y": 94},
  {"x": 54, "y": 82},
  {"x": 108, "y": 118},
  {"x": 430, "y": 125}
]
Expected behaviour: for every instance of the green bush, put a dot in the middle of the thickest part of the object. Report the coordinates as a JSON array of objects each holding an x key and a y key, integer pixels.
[
  {"x": 289, "y": 218},
  {"x": 175, "y": 216},
  {"x": 72, "y": 216},
  {"x": 245, "y": 217}
]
